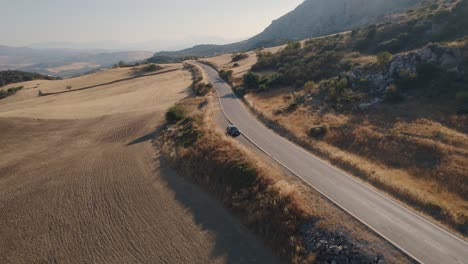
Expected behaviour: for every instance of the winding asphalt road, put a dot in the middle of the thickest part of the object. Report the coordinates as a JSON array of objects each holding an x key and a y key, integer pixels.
[{"x": 419, "y": 238}]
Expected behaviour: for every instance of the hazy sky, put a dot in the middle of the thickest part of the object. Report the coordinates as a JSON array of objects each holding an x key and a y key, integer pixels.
[{"x": 23, "y": 22}]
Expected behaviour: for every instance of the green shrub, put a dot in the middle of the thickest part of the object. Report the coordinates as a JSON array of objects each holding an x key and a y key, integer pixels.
[
  {"x": 226, "y": 75},
  {"x": 239, "y": 56},
  {"x": 310, "y": 85},
  {"x": 239, "y": 176},
  {"x": 175, "y": 114},
  {"x": 251, "y": 81},
  {"x": 202, "y": 89},
  {"x": 293, "y": 45},
  {"x": 152, "y": 67},
  {"x": 188, "y": 135},
  {"x": 383, "y": 58},
  {"x": 319, "y": 131}
]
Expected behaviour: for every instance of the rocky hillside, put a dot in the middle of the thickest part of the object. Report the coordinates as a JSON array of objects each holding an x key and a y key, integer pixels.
[
  {"x": 311, "y": 19},
  {"x": 323, "y": 17}
]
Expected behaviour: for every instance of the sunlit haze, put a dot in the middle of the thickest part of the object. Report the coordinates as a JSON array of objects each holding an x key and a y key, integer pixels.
[{"x": 135, "y": 24}]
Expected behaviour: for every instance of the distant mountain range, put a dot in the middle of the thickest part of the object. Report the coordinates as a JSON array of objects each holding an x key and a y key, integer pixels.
[
  {"x": 151, "y": 45},
  {"x": 61, "y": 62},
  {"x": 311, "y": 19},
  {"x": 67, "y": 59}
]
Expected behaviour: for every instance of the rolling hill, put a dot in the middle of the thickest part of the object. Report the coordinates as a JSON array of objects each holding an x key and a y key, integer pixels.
[{"x": 63, "y": 62}]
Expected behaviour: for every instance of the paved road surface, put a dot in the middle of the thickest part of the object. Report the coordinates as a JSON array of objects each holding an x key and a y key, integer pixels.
[{"x": 419, "y": 238}]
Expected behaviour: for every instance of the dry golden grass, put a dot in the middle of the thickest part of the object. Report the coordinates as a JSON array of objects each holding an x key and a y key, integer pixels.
[
  {"x": 275, "y": 204},
  {"x": 31, "y": 88},
  {"x": 419, "y": 159},
  {"x": 110, "y": 99},
  {"x": 80, "y": 181}
]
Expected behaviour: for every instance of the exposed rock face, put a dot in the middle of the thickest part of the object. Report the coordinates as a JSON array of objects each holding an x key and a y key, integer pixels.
[
  {"x": 334, "y": 247},
  {"x": 449, "y": 59}
]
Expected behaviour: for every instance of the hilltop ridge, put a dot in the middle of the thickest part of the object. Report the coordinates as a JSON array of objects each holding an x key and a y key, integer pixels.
[{"x": 312, "y": 18}]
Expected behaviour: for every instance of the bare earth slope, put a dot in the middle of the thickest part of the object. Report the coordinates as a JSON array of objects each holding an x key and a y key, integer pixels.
[{"x": 80, "y": 182}]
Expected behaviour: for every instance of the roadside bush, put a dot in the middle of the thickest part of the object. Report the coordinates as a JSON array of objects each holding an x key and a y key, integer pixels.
[
  {"x": 187, "y": 135},
  {"x": 175, "y": 114},
  {"x": 202, "y": 89},
  {"x": 239, "y": 176},
  {"x": 226, "y": 75}
]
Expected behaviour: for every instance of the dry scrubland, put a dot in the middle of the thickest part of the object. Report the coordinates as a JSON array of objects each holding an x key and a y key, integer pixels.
[
  {"x": 80, "y": 181},
  {"x": 225, "y": 62},
  {"x": 414, "y": 150},
  {"x": 436, "y": 179},
  {"x": 278, "y": 207}
]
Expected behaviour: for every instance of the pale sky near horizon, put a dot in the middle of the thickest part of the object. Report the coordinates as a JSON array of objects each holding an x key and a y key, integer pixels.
[{"x": 23, "y": 22}]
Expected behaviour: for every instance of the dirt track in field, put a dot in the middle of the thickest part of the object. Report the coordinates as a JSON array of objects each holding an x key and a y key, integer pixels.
[{"x": 80, "y": 182}]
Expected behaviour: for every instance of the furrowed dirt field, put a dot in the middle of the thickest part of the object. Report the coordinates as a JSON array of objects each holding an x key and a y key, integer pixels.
[{"x": 81, "y": 182}]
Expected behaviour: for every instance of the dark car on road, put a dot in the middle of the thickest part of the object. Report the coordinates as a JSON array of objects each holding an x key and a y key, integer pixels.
[{"x": 233, "y": 131}]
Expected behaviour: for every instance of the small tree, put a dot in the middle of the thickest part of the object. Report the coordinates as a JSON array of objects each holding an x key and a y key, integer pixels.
[
  {"x": 152, "y": 67},
  {"x": 239, "y": 56},
  {"x": 383, "y": 58},
  {"x": 294, "y": 45},
  {"x": 251, "y": 81}
]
